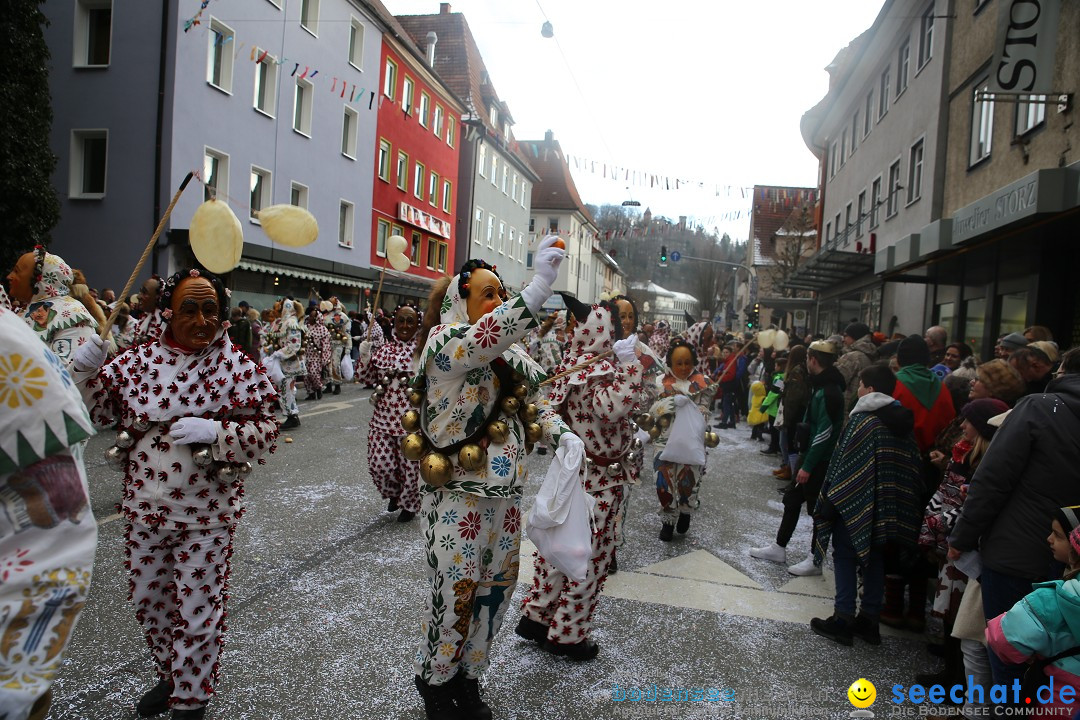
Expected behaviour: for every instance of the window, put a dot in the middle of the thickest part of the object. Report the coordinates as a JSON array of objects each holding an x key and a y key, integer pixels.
[
  {"x": 432, "y": 253},
  {"x": 93, "y": 33},
  {"x": 839, "y": 230},
  {"x": 513, "y": 188},
  {"x": 444, "y": 251},
  {"x": 349, "y": 122},
  {"x": 219, "y": 59},
  {"x": 298, "y": 195},
  {"x": 491, "y": 232},
  {"x": 384, "y": 159},
  {"x": 417, "y": 238},
  {"x": 450, "y": 133},
  {"x": 982, "y": 123},
  {"x": 345, "y": 224},
  {"x": 436, "y": 126},
  {"x": 446, "y": 195},
  {"x": 215, "y": 173},
  {"x": 502, "y": 238},
  {"x": 418, "y": 180},
  {"x": 524, "y": 192},
  {"x": 260, "y": 190},
  {"x": 382, "y": 231},
  {"x": 266, "y": 82},
  {"x": 356, "y": 44},
  {"x": 915, "y": 167},
  {"x": 894, "y": 188},
  {"x": 529, "y": 260},
  {"x": 868, "y": 117},
  {"x": 478, "y": 224},
  {"x": 495, "y": 170},
  {"x": 510, "y": 247},
  {"x": 390, "y": 79},
  {"x": 425, "y": 105},
  {"x": 553, "y": 225},
  {"x": 493, "y": 116},
  {"x": 433, "y": 188},
  {"x": 89, "y": 153},
  {"x": 862, "y": 214},
  {"x": 309, "y": 16},
  {"x": 505, "y": 178},
  {"x": 1030, "y": 112},
  {"x": 520, "y": 244},
  {"x": 402, "y": 171},
  {"x": 302, "y": 107},
  {"x": 875, "y": 202},
  {"x": 828, "y": 231},
  {"x": 843, "y": 147},
  {"x": 407, "y": 94},
  {"x": 902, "y": 63},
  {"x": 883, "y": 94},
  {"x": 926, "y": 36},
  {"x": 847, "y": 222},
  {"x": 481, "y": 161},
  {"x": 854, "y": 132},
  {"x": 834, "y": 161},
  {"x": 532, "y": 224}
]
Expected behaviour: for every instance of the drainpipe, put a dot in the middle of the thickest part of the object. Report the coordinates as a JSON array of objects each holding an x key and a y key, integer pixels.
[{"x": 159, "y": 128}]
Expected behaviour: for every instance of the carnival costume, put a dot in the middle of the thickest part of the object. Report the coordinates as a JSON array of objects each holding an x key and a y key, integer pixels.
[
  {"x": 661, "y": 338},
  {"x": 338, "y": 323},
  {"x": 317, "y": 352},
  {"x": 47, "y": 530},
  {"x": 150, "y": 326},
  {"x": 61, "y": 321},
  {"x": 285, "y": 343}
]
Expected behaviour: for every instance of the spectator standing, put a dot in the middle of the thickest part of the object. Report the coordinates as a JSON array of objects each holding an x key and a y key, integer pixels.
[
  {"x": 936, "y": 338},
  {"x": 859, "y": 353}
]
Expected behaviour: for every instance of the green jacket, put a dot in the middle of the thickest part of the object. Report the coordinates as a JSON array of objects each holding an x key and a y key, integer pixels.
[{"x": 825, "y": 416}]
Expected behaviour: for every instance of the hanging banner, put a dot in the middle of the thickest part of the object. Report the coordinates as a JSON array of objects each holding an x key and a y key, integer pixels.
[
  {"x": 1024, "y": 47},
  {"x": 421, "y": 219}
]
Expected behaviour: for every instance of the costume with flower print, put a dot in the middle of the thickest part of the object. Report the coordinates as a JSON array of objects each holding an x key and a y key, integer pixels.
[
  {"x": 317, "y": 352},
  {"x": 60, "y": 320},
  {"x": 285, "y": 341},
  {"x": 473, "y": 523},
  {"x": 338, "y": 324},
  {"x": 150, "y": 326}
]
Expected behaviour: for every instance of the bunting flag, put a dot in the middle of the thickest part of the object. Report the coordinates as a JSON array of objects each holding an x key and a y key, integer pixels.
[
  {"x": 194, "y": 20},
  {"x": 642, "y": 178}
]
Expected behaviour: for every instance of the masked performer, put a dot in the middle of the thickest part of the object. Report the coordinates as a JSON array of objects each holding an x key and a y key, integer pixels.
[
  {"x": 151, "y": 323},
  {"x": 41, "y": 284},
  {"x": 317, "y": 351},
  {"x": 476, "y": 424},
  {"x": 545, "y": 346},
  {"x": 392, "y": 366},
  {"x": 338, "y": 324},
  {"x": 194, "y": 413},
  {"x": 285, "y": 341},
  {"x": 661, "y": 338},
  {"x": 596, "y": 403}
]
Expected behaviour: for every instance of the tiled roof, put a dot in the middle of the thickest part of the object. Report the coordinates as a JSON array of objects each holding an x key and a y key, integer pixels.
[
  {"x": 556, "y": 189},
  {"x": 772, "y": 207}
]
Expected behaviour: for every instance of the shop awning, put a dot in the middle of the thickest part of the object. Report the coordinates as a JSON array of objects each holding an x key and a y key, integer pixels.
[
  {"x": 829, "y": 267},
  {"x": 302, "y": 273}
]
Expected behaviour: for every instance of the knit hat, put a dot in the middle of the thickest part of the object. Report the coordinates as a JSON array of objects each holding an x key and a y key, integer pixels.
[
  {"x": 913, "y": 351},
  {"x": 1068, "y": 518},
  {"x": 1047, "y": 348},
  {"x": 1002, "y": 380},
  {"x": 978, "y": 412},
  {"x": 1013, "y": 341},
  {"x": 857, "y": 330}
]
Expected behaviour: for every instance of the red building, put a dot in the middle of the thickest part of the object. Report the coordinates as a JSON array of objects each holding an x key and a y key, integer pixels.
[{"x": 416, "y": 162}]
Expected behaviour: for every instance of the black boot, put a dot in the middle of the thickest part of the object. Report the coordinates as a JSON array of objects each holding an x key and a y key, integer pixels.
[
  {"x": 439, "y": 700},
  {"x": 156, "y": 700},
  {"x": 666, "y": 532},
  {"x": 684, "y": 523},
  {"x": 392, "y": 505},
  {"x": 337, "y": 389},
  {"x": 866, "y": 629},
  {"x": 837, "y": 628},
  {"x": 471, "y": 705},
  {"x": 531, "y": 630},
  {"x": 293, "y": 421},
  {"x": 613, "y": 566},
  {"x": 192, "y": 714},
  {"x": 405, "y": 516}
]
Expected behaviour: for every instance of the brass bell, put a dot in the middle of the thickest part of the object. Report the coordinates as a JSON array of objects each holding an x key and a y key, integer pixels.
[
  {"x": 509, "y": 405},
  {"x": 201, "y": 455},
  {"x": 613, "y": 469},
  {"x": 374, "y": 398},
  {"x": 498, "y": 432},
  {"x": 141, "y": 424},
  {"x": 244, "y": 469},
  {"x": 631, "y": 457},
  {"x": 124, "y": 439},
  {"x": 521, "y": 391},
  {"x": 654, "y": 432},
  {"x": 637, "y": 444},
  {"x": 664, "y": 422},
  {"x": 413, "y": 446},
  {"x": 410, "y": 421},
  {"x": 645, "y": 421},
  {"x": 228, "y": 472},
  {"x": 711, "y": 439},
  {"x": 533, "y": 433},
  {"x": 380, "y": 390},
  {"x": 116, "y": 458},
  {"x": 529, "y": 413},
  {"x": 472, "y": 457},
  {"x": 435, "y": 469},
  {"x": 588, "y": 463},
  {"x": 416, "y": 398}
]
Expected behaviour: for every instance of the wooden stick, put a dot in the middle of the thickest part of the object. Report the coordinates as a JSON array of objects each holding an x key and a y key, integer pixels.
[
  {"x": 142, "y": 260},
  {"x": 574, "y": 369},
  {"x": 375, "y": 307}
]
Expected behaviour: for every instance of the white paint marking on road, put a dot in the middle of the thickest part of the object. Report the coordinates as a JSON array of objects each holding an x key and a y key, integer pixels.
[
  {"x": 106, "y": 521},
  {"x": 328, "y": 408}
]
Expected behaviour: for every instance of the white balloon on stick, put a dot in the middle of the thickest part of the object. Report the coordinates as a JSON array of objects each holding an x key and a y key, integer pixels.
[
  {"x": 395, "y": 252},
  {"x": 216, "y": 236},
  {"x": 766, "y": 338},
  {"x": 782, "y": 340},
  {"x": 288, "y": 225}
]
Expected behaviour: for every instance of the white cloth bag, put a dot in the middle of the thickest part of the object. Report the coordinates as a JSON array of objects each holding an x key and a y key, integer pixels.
[
  {"x": 346, "y": 369},
  {"x": 686, "y": 441},
  {"x": 560, "y": 521}
]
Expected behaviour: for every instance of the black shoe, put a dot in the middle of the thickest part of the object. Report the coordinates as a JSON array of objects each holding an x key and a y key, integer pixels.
[
  {"x": 156, "y": 700},
  {"x": 337, "y": 389},
  {"x": 470, "y": 704},
  {"x": 293, "y": 421},
  {"x": 835, "y": 628},
  {"x": 439, "y": 700},
  {"x": 191, "y": 714},
  {"x": 405, "y": 516},
  {"x": 866, "y": 629},
  {"x": 310, "y": 396},
  {"x": 578, "y": 652},
  {"x": 684, "y": 523},
  {"x": 770, "y": 451},
  {"x": 318, "y": 394},
  {"x": 613, "y": 566},
  {"x": 531, "y": 630},
  {"x": 666, "y": 532},
  {"x": 392, "y": 506}
]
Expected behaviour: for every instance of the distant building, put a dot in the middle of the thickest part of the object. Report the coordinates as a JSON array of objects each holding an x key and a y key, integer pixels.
[{"x": 663, "y": 304}]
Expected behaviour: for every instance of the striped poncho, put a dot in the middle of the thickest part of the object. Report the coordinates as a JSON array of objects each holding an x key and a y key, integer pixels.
[{"x": 872, "y": 485}]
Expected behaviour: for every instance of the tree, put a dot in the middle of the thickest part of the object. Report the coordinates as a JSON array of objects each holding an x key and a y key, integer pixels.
[
  {"x": 28, "y": 202},
  {"x": 794, "y": 243}
]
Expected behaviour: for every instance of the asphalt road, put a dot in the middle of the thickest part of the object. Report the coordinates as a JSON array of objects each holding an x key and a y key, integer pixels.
[{"x": 327, "y": 589}]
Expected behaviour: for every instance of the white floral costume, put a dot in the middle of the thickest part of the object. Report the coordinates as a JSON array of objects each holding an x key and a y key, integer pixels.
[{"x": 60, "y": 320}]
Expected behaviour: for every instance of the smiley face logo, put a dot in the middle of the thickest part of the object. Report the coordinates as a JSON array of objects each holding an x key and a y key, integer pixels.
[{"x": 862, "y": 693}]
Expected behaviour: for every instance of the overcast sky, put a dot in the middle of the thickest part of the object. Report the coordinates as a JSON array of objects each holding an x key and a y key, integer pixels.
[{"x": 702, "y": 90}]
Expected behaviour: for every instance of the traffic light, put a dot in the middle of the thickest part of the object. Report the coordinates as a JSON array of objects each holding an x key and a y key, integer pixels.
[
  {"x": 663, "y": 255},
  {"x": 753, "y": 317}
]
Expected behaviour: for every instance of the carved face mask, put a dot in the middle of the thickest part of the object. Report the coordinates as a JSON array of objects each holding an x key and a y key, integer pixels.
[
  {"x": 196, "y": 314},
  {"x": 405, "y": 324},
  {"x": 485, "y": 294}
]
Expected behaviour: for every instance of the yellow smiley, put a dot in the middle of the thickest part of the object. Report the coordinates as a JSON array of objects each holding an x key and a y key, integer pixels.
[{"x": 862, "y": 693}]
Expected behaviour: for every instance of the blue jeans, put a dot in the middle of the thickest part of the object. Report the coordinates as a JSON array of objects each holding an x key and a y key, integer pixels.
[
  {"x": 845, "y": 565},
  {"x": 727, "y": 404},
  {"x": 1000, "y": 592}
]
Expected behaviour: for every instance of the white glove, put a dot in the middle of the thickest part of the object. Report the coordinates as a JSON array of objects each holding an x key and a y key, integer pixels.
[
  {"x": 663, "y": 406},
  {"x": 682, "y": 401},
  {"x": 190, "y": 430},
  {"x": 365, "y": 349},
  {"x": 92, "y": 353},
  {"x": 571, "y": 442},
  {"x": 546, "y": 262},
  {"x": 626, "y": 350}
]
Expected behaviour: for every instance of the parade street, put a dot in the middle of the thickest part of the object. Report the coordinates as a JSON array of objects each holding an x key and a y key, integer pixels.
[{"x": 327, "y": 589}]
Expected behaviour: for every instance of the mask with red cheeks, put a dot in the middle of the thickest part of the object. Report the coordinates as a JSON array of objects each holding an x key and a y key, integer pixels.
[
  {"x": 485, "y": 294},
  {"x": 682, "y": 363}
]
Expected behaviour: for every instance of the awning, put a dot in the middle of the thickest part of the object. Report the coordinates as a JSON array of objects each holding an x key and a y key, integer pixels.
[
  {"x": 302, "y": 273},
  {"x": 829, "y": 267}
]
